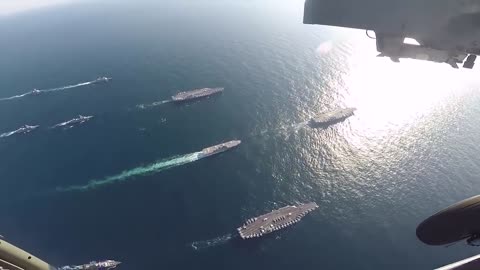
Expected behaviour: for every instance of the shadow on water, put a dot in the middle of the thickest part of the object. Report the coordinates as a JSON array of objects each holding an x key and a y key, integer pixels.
[
  {"x": 235, "y": 241},
  {"x": 325, "y": 125},
  {"x": 252, "y": 244},
  {"x": 196, "y": 100},
  {"x": 37, "y": 92}
]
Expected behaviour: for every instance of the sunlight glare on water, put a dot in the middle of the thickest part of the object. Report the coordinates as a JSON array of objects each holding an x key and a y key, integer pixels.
[{"x": 391, "y": 96}]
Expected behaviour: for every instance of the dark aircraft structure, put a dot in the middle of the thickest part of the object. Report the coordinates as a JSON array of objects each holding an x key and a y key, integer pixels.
[
  {"x": 14, "y": 258},
  {"x": 459, "y": 222},
  {"x": 448, "y": 31}
]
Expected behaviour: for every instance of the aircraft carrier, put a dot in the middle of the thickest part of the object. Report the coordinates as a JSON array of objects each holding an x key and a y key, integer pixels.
[
  {"x": 219, "y": 148},
  {"x": 332, "y": 117},
  {"x": 275, "y": 220},
  {"x": 195, "y": 94}
]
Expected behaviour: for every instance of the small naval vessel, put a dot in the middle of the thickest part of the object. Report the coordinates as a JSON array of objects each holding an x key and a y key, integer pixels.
[
  {"x": 275, "y": 220},
  {"x": 102, "y": 80},
  {"x": 195, "y": 94},
  {"x": 22, "y": 130},
  {"x": 35, "y": 92},
  {"x": 103, "y": 265},
  {"x": 331, "y": 117},
  {"x": 26, "y": 129},
  {"x": 70, "y": 123},
  {"x": 219, "y": 148}
]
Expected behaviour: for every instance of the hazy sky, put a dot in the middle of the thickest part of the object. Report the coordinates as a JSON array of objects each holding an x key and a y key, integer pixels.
[{"x": 9, "y": 7}]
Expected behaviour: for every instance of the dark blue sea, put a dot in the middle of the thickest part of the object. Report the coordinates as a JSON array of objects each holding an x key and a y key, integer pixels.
[{"x": 123, "y": 185}]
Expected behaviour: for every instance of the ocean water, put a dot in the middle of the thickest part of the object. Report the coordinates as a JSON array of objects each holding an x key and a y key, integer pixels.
[{"x": 102, "y": 190}]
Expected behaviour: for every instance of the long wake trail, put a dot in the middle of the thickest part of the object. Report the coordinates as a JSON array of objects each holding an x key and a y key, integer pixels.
[
  {"x": 48, "y": 90},
  {"x": 221, "y": 240},
  {"x": 139, "y": 171},
  {"x": 284, "y": 131},
  {"x": 154, "y": 104},
  {"x": 67, "y": 87},
  {"x": 7, "y": 134},
  {"x": 15, "y": 97}
]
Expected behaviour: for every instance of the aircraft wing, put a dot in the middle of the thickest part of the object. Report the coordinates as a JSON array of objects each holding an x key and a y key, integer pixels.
[
  {"x": 447, "y": 30},
  {"x": 472, "y": 263}
]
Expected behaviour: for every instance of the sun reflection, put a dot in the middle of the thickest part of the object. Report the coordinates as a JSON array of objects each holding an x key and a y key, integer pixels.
[
  {"x": 394, "y": 95},
  {"x": 10, "y": 7}
]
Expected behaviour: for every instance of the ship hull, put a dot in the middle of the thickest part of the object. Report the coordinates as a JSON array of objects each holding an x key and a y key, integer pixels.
[
  {"x": 218, "y": 149},
  {"x": 328, "y": 119},
  {"x": 203, "y": 155},
  {"x": 318, "y": 124}
]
